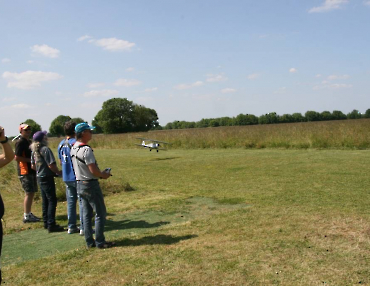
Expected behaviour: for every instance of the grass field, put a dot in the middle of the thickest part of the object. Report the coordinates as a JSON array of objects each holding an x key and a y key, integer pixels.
[{"x": 208, "y": 217}]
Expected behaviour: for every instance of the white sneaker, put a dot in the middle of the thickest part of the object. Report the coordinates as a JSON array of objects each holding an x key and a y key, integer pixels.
[
  {"x": 73, "y": 230},
  {"x": 82, "y": 232}
]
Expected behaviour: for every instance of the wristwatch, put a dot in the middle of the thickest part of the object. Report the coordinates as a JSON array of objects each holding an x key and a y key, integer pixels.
[{"x": 6, "y": 140}]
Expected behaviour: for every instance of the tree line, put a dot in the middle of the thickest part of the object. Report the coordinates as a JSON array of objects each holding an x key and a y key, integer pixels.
[
  {"x": 117, "y": 115},
  {"x": 120, "y": 115},
  {"x": 269, "y": 118}
]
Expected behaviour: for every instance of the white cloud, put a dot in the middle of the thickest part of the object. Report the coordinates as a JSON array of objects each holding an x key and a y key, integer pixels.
[
  {"x": 367, "y": 3},
  {"x": 114, "y": 44},
  {"x": 104, "y": 92},
  {"x": 8, "y": 99},
  {"x": 29, "y": 79},
  {"x": 30, "y": 62},
  {"x": 327, "y": 85},
  {"x": 318, "y": 75},
  {"x": 21, "y": 106},
  {"x": 228, "y": 90},
  {"x": 45, "y": 51},
  {"x": 215, "y": 78},
  {"x": 328, "y": 5},
  {"x": 151, "y": 89},
  {"x": 334, "y": 77},
  {"x": 83, "y": 38},
  {"x": 127, "y": 82},
  {"x": 130, "y": 69},
  {"x": 187, "y": 86},
  {"x": 293, "y": 70},
  {"x": 5, "y": 60},
  {"x": 95, "y": 85},
  {"x": 253, "y": 76}
]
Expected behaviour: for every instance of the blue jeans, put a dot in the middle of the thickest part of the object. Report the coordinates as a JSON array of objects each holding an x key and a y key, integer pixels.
[
  {"x": 49, "y": 200},
  {"x": 92, "y": 200},
  {"x": 71, "y": 194}
]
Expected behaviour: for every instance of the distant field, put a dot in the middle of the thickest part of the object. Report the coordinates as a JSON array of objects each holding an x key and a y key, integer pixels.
[
  {"x": 208, "y": 217},
  {"x": 342, "y": 134}
]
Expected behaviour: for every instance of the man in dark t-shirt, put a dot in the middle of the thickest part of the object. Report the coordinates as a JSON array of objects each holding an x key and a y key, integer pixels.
[{"x": 26, "y": 175}]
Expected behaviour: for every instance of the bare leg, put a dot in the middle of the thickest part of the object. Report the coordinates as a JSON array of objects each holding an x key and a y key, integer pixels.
[{"x": 28, "y": 200}]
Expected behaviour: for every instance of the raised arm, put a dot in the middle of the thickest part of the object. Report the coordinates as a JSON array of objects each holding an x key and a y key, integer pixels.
[{"x": 8, "y": 154}]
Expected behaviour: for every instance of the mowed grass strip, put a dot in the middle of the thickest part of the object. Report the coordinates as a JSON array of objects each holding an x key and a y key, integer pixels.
[{"x": 307, "y": 221}]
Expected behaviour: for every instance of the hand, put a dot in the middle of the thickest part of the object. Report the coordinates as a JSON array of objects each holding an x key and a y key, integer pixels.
[
  {"x": 2, "y": 134},
  {"x": 105, "y": 175}
]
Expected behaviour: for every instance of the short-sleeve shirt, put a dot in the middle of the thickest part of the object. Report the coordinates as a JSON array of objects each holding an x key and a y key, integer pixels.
[
  {"x": 64, "y": 150},
  {"x": 22, "y": 148},
  {"x": 82, "y": 156},
  {"x": 42, "y": 162}
]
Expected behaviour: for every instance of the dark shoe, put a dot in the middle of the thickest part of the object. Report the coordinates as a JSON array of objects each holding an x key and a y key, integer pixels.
[
  {"x": 55, "y": 228},
  {"x": 34, "y": 217},
  {"x": 107, "y": 244},
  {"x": 91, "y": 246},
  {"x": 30, "y": 218}
]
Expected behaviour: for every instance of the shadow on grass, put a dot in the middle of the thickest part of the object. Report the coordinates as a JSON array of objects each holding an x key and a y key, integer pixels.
[
  {"x": 150, "y": 240},
  {"x": 163, "y": 159},
  {"x": 128, "y": 224}
]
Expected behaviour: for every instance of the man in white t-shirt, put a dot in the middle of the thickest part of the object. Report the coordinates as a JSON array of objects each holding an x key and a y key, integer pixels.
[{"x": 87, "y": 174}]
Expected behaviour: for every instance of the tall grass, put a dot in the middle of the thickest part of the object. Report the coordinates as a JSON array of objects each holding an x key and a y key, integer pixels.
[{"x": 342, "y": 134}]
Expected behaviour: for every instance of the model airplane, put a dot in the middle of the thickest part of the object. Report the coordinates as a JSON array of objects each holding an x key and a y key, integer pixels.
[{"x": 155, "y": 144}]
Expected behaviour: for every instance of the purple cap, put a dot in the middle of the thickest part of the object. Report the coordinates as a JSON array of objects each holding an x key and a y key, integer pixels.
[{"x": 39, "y": 136}]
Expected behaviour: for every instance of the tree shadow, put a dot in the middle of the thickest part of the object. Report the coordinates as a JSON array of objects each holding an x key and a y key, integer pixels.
[
  {"x": 128, "y": 224},
  {"x": 150, "y": 240}
]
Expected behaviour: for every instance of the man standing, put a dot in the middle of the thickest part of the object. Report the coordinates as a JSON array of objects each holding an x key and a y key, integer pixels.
[
  {"x": 87, "y": 175},
  {"x": 5, "y": 158},
  {"x": 26, "y": 175},
  {"x": 69, "y": 178}
]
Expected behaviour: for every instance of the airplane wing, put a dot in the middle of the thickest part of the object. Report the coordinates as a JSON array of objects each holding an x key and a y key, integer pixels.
[{"x": 152, "y": 140}]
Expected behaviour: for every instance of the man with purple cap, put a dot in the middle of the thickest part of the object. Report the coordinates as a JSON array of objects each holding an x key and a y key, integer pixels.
[
  {"x": 43, "y": 161},
  {"x": 87, "y": 175},
  {"x": 26, "y": 175}
]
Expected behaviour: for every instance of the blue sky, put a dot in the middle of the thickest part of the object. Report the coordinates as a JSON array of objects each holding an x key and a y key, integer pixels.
[{"x": 188, "y": 60}]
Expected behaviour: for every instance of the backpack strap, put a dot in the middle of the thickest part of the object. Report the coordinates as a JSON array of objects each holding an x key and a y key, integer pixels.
[{"x": 78, "y": 148}]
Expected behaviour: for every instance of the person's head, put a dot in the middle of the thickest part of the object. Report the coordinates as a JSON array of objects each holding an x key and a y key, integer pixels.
[
  {"x": 40, "y": 137},
  {"x": 25, "y": 130},
  {"x": 84, "y": 132},
  {"x": 69, "y": 128}
]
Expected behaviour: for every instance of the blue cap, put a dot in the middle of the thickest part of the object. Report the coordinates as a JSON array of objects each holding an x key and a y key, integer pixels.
[
  {"x": 83, "y": 126},
  {"x": 39, "y": 136}
]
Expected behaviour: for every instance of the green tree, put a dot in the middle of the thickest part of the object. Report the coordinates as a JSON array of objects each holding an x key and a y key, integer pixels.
[
  {"x": 144, "y": 118},
  {"x": 241, "y": 119},
  {"x": 312, "y": 116},
  {"x": 77, "y": 120},
  {"x": 57, "y": 125},
  {"x": 354, "y": 114},
  {"x": 286, "y": 118},
  {"x": 326, "y": 115},
  {"x": 34, "y": 125},
  {"x": 338, "y": 115},
  {"x": 119, "y": 115},
  {"x": 367, "y": 113},
  {"x": 298, "y": 117}
]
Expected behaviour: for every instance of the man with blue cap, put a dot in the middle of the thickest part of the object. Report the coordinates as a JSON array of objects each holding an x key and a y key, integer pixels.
[{"x": 87, "y": 174}]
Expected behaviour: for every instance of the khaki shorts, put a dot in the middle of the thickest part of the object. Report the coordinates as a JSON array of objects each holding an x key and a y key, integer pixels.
[{"x": 29, "y": 183}]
